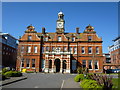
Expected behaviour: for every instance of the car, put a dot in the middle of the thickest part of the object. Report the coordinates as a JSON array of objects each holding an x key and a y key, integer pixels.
[
  {"x": 108, "y": 71},
  {"x": 116, "y": 70}
]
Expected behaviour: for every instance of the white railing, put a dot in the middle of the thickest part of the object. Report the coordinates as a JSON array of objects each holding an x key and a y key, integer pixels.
[{"x": 47, "y": 52}]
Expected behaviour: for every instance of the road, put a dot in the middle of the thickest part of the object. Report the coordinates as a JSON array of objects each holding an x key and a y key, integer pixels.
[{"x": 41, "y": 80}]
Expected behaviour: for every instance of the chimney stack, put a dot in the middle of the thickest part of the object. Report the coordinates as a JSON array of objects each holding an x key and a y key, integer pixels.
[
  {"x": 43, "y": 30},
  {"x": 77, "y": 30}
]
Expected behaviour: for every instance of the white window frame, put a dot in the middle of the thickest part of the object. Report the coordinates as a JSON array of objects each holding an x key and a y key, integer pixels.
[
  {"x": 32, "y": 62},
  {"x": 53, "y": 48},
  {"x": 97, "y": 50},
  {"x": 29, "y": 49},
  {"x": 59, "y": 38},
  {"x": 35, "y": 49},
  {"x": 64, "y": 48},
  {"x": 95, "y": 64},
  {"x": 28, "y": 62},
  {"x": 73, "y": 39},
  {"x": 47, "y": 48},
  {"x": 43, "y": 49},
  {"x": 75, "y": 50},
  {"x": 90, "y": 48},
  {"x": 46, "y": 39},
  {"x": 83, "y": 64},
  {"x": 29, "y": 37},
  {"x": 22, "y": 63},
  {"x": 89, "y": 38},
  {"x": 71, "y": 49},
  {"x": 83, "y": 48},
  {"x": 91, "y": 64}
]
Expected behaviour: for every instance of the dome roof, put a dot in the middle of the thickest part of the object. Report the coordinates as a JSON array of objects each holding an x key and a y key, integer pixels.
[
  {"x": 60, "y": 13},
  {"x": 90, "y": 27},
  {"x": 30, "y": 27}
]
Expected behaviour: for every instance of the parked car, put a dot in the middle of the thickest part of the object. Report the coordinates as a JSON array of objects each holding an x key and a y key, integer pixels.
[
  {"x": 116, "y": 70},
  {"x": 109, "y": 71}
]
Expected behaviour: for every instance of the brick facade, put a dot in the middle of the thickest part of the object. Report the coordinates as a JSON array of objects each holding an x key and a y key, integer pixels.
[
  {"x": 58, "y": 51},
  {"x": 114, "y": 51}
]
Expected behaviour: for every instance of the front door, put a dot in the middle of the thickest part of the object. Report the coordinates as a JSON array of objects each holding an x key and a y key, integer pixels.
[{"x": 57, "y": 64}]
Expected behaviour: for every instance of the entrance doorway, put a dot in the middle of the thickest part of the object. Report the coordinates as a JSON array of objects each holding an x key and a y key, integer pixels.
[{"x": 57, "y": 64}]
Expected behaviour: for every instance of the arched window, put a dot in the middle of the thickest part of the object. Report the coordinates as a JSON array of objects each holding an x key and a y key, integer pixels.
[{"x": 64, "y": 64}]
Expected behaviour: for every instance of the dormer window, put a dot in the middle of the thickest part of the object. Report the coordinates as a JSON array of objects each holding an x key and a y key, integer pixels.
[
  {"x": 29, "y": 37},
  {"x": 46, "y": 39},
  {"x": 89, "y": 38},
  {"x": 73, "y": 39},
  {"x": 59, "y": 38}
]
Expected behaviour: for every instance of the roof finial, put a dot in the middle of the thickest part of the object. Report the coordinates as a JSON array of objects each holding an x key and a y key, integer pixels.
[
  {"x": 30, "y": 24},
  {"x": 88, "y": 24},
  {"x": 61, "y": 10}
]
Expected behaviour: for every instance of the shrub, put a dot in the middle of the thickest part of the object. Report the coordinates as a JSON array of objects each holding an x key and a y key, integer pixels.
[
  {"x": 88, "y": 83},
  {"x": 89, "y": 75},
  {"x": 4, "y": 70},
  {"x": 78, "y": 77},
  {"x": 8, "y": 74},
  {"x": 16, "y": 74},
  {"x": 102, "y": 80},
  {"x": 13, "y": 74},
  {"x": 81, "y": 70}
]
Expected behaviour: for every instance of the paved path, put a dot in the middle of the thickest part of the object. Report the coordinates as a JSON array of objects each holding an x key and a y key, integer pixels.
[
  {"x": 70, "y": 83},
  {"x": 41, "y": 80},
  {"x": 12, "y": 80}
]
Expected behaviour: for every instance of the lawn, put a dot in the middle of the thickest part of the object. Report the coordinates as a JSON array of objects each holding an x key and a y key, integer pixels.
[{"x": 115, "y": 82}]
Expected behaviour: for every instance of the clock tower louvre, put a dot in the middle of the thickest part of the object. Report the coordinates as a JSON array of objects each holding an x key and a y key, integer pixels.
[{"x": 60, "y": 23}]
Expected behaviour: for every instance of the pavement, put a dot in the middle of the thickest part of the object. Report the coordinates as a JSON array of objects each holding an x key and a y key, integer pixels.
[
  {"x": 41, "y": 80},
  {"x": 70, "y": 83},
  {"x": 12, "y": 80}
]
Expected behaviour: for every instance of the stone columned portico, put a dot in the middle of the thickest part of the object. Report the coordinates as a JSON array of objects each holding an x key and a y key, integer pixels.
[{"x": 57, "y": 62}]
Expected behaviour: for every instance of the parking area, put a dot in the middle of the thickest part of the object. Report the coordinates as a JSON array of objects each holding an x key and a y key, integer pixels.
[{"x": 41, "y": 80}]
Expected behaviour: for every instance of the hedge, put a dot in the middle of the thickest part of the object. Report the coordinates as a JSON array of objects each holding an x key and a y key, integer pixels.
[
  {"x": 13, "y": 74},
  {"x": 78, "y": 77},
  {"x": 88, "y": 83}
]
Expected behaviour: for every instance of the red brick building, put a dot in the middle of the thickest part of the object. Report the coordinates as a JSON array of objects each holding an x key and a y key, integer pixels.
[
  {"x": 58, "y": 51},
  {"x": 114, "y": 51}
]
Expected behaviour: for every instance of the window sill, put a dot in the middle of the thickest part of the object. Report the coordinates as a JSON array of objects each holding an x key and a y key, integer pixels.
[
  {"x": 90, "y": 69},
  {"x": 83, "y": 53},
  {"x": 33, "y": 67},
  {"x": 89, "y": 53},
  {"x": 27, "y": 67},
  {"x": 96, "y": 69}
]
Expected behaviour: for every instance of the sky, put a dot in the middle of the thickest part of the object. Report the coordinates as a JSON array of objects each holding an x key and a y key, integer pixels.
[{"x": 103, "y": 16}]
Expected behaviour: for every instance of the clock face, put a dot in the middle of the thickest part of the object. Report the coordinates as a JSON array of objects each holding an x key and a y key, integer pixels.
[{"x": 60, "y": 25}]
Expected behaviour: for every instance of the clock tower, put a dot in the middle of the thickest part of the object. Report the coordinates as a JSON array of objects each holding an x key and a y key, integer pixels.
[{"x": 60, "y": 23}]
